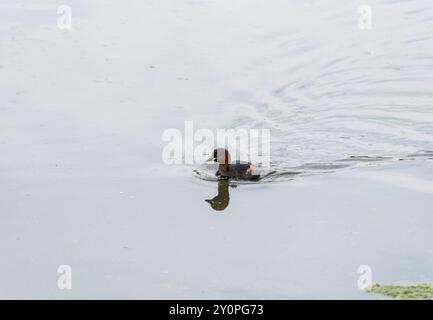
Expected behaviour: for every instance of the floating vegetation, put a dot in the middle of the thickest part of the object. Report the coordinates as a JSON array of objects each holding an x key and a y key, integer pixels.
[{"x": 422, "y": 291}]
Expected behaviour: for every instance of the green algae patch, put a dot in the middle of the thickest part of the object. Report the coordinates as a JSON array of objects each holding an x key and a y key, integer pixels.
[{"x": 422, "y": 291}]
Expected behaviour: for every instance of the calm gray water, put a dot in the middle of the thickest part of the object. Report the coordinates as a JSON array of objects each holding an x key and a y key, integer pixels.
[
  {"x": 81, "y": 117},
  {"x": 329, "y": 91}
]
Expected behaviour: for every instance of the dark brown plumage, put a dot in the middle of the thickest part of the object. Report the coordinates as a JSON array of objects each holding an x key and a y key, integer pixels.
[{"x": 232, "y": 170}]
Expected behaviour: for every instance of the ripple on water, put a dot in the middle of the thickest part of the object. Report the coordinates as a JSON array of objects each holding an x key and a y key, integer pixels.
[{"x": 363, "y": 99}]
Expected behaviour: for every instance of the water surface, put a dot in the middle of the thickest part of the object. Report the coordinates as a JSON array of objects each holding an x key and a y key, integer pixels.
[{"x": 81, "y": 177}]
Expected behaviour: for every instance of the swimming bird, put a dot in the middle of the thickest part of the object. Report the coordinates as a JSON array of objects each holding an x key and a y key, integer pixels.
[{"x": 237, "y": 170}]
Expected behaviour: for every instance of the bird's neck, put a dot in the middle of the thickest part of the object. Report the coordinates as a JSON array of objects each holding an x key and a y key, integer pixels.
[{"x": 224, "y": 167}]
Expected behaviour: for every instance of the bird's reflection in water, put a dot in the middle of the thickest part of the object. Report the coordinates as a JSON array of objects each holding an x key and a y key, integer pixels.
[{"x": 222, "y": 199}]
